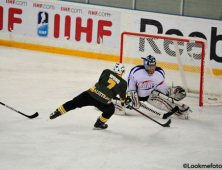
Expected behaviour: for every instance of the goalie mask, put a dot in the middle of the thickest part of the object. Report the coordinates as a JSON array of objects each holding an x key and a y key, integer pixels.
[
  {"x": 119, "y": 68},
  {"x": 150, "y": 64}
]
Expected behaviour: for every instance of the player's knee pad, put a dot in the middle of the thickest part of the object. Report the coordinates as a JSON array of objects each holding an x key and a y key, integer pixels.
[
  {"x": 134, "y": 99},
  {"x": 166, "y": 103},
  {"x": 119, "y": 108}
]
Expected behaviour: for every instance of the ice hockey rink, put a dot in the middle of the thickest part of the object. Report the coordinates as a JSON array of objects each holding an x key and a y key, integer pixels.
[{"x": 32, "y": 81}]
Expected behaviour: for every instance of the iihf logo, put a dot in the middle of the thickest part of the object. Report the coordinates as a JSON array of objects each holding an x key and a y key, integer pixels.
[{"x": 43, "y": 22}]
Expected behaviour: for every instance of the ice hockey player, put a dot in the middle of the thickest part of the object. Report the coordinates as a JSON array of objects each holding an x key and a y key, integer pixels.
[
  {"x": 109, "y": 85},
  {"x": 146, "y": 83}
]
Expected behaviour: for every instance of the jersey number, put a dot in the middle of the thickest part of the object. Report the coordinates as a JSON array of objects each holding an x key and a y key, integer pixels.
[{"x": 112, "y": 84}]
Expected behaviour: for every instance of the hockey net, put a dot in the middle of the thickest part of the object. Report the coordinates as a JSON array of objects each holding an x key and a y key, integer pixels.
[{"x": 185, "y": 61}]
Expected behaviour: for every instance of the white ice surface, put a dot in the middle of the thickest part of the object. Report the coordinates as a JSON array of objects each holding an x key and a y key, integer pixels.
[{"x": 33, "y": 81}]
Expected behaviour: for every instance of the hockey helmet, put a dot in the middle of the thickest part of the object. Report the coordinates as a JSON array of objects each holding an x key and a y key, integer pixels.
[
  {"x": 149, "y": 64},
  {"x": 119, "y": 68}
]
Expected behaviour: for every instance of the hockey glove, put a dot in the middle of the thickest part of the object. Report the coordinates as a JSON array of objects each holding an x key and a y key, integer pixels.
[
  {"x": 128, "y": 102},
  {"x": 177, "y": 93}
]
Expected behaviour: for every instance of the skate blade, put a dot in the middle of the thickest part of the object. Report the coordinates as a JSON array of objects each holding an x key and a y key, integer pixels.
[{"x": 95, "y": 128}]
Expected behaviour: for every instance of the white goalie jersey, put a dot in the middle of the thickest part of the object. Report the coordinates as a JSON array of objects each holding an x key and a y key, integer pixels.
[{"x": 140, "y": 81}]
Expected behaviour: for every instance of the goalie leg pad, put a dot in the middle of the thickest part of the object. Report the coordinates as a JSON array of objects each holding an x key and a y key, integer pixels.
[
  {"x": 134, "y": 99},
  {"x": 119, "y": 108},
  {"x": 165, "y": 103},
  {"x": 159, "y": 102}
]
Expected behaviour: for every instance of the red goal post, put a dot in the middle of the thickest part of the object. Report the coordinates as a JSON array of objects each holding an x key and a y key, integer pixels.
[{"x": 185, "y": 57}]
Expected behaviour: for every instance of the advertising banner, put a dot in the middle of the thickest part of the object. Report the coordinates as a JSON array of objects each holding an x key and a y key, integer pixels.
[
  {"x": 60, "y": 22},
  {"x": 184, "y": 26},
  {"x": 88, "y": 26}
]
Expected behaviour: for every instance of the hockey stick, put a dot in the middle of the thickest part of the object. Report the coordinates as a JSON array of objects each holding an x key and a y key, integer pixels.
[
  {"x": 167, "y": 124},
  {"x": 163, "y": 116},
  {"x": 30, "y": 117}
]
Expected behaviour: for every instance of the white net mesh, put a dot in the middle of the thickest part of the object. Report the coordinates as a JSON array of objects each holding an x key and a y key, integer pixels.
[{"x": 190, "y": 52}]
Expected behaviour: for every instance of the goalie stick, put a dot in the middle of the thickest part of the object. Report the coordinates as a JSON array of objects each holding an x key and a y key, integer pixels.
[
  {"x": 163, "y": 116},
  {"x": 30, "y": 117},
  {"x": 167, "y": 124}
]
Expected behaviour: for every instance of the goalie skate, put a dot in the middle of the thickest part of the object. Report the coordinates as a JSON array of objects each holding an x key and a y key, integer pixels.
[{"x": 183, "y": 114}]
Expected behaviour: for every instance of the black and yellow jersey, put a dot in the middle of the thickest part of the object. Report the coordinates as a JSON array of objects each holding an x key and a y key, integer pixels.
[{"x": 109, "y": 85}]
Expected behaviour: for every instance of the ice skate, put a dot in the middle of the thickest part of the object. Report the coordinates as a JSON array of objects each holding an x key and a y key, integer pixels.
[
  {"x": 55, "y": 114},
  {"x": 99, "y": 125}
]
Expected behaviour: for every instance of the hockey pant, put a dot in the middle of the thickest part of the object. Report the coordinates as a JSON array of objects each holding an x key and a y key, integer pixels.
[{"x": 85, "y": 99}]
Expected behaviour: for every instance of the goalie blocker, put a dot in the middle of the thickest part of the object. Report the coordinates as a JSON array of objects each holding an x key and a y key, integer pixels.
[{"x": 131, "y": 100}]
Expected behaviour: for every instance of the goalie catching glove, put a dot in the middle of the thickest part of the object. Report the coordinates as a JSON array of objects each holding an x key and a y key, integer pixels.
[{"x": 177, "y": 93}]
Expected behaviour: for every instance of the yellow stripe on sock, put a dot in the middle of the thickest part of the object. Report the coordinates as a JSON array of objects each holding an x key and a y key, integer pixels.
[
  {"x": 63, "y": 109},
  {"x": 60, "y": 111},
  {"x": 92, "y": 88},
  {"x": 102, "y": 119}
]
